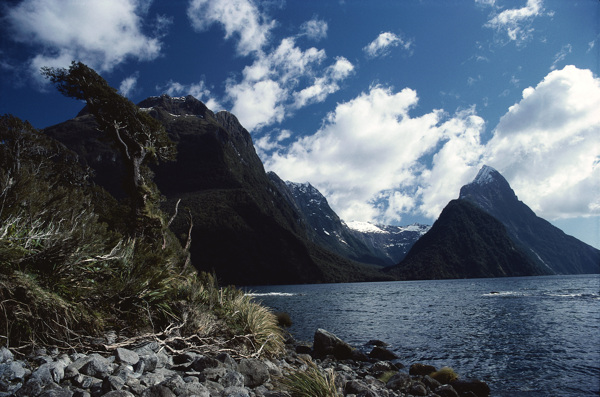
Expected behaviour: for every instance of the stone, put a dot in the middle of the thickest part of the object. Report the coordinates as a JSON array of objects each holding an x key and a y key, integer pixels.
[
  {"x": 93, "y": 365},
  {"x": 232, "y": 378},
  {"x": 255, "y": 372},
  {"x": 5, "y": 355},
  {"x": 192, "y": 389},
  {"x": 70, "y": 372},
  {"x": 274, "y": 369},
  {"x": 368, "y": 393},
  {"x": 430, "y": 382},
  {"x": 148, "y": 362},
  {"x": 157, "y": 391},
  {"x": 126, "y": 356},
  {"x": 12, "y": 371},
  {"x": 381, "y": 353},
  {"x": 33, "y": 387},
  {"x": 421, "y": 369},
  {"x": 326, "y": 343},
  {"x": 227, "y": 361},
  {"x": 111, "y": 383},
  {"x": 303, "y": 349},
  {"x": 399, "y": 381},
  {"x": 446, "y": 391},
  {"x": 477, "y": 387},
  {"x": 418, "y": 389},
  {"x": 118, "y": 393},
  {"x": 235, "y": 392},
  {"x": 381, "y": 367},
  {"x": 54, "y": 390},
  {"x": 355, "y": 386},
  {"x": 203, "y": 362}
]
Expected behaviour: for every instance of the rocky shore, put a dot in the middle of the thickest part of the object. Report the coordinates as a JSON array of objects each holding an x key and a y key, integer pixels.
[{"x": 151, "y": 368}]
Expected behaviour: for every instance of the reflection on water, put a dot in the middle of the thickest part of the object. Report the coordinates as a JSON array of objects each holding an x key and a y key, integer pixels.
[{"x": 529, "y": 336}]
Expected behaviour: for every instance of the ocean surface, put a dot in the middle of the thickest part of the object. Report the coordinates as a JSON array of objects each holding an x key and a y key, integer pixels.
[{"x": 525, "y": 336}]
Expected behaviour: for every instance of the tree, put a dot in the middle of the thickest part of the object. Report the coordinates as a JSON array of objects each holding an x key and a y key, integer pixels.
[{"x": 139, "y": 138}]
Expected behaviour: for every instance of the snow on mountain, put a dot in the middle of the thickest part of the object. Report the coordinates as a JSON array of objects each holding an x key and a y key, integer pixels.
[{"x": 364, "y": 227}]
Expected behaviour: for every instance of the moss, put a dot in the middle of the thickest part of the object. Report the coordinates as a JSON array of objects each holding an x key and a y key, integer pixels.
[{"x": 444, "y": 375}]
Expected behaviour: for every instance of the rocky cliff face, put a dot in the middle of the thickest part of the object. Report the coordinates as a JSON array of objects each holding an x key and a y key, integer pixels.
[
  {"x": 243, "y": 228},
  {"x": 549, "y": 246},
  {"x": 359, "y": 241}
]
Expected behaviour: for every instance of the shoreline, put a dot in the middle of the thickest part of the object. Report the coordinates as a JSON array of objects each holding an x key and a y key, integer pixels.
[{"x": 155, "y": 367}]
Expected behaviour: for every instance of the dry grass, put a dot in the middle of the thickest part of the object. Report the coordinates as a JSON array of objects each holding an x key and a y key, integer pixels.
[{"x": 311, "y": 382}]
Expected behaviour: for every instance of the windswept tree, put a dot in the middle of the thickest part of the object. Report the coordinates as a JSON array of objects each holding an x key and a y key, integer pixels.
[{"x": 139, "y": 138}]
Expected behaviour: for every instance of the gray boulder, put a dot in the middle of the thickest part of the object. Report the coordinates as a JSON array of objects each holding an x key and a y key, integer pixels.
[
  {"x": 235, "y": 391},
  {"x": 399, "y": 381},
  {"x": 126, "y": 356},
  {"x": 326, "y": 343},
  {"x": 255, "y": 372}
]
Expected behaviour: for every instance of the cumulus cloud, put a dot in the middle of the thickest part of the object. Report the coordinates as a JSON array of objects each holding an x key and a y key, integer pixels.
[
  {"x": 516, "y": 22},
  {"x": 548, "y": 145},
  {"x": 366, "y": 156},
  {"x": 383, "y": 43},
  {"x": 271, "y": 85},
  {"x": 100, "y": 33},
  {"x": 240, "y": 18},
  {"x": 198, "y": 90},
  {"x": 315, "y": 29},
  {"x": 127, "y": 86}
]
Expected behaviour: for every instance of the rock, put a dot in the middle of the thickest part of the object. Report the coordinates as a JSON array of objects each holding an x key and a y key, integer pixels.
[
  {"x": 54, "y": 390},
  {"x": 303, "y": 349},
  {"x": 446, "y": 391},
  {"x": 235, "y": 392},
  {"x": 126, "y": 356},
  {"x": 232, "y": 378},
  {"x": 477, "y": 387},
  {"x": 326, "y": 343},
  {"x": 255, "y": 372},
  {"x": 368, "y": 393},
  {"x": 117, "y": 393},
  {"x": 376, "y": 342},
  {"x": 192, "y": 389},
  {"x": 418, "y": 389},
  {"x": 430, "y": 382},
  {"x": 227, "y": 361},
  {"x": 93, "y": 365},
  {"x": 33, "y": 387},
  {"x": 5, "y": 355},
  {"x": 12, "y": 371},
  {"x": 355, "y": 387},
  {"x": 399, "y": 381},
  {"x": 381, "y": 367},
  {"x": 111, "y": 383},
  {"x": 203, "y": 362},
  {"x": 157, "y": 391},
  {"x": 421, "y": 369},
  {"x": 148, "y": 362},
  {"x": 381, "y": 353}
]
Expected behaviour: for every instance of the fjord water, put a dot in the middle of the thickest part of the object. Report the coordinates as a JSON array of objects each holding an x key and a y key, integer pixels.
[{"x": 525, "y": 336}]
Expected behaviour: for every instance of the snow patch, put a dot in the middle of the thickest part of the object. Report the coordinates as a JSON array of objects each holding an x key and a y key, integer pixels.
[
  {"x": 485, "y": 175},
  {"x": 364, "y": 227}
]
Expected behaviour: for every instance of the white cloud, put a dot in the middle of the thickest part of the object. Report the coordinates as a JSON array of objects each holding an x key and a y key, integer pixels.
[
  {"x": 197, "y": 90},
  {"x": 100, "y": 33},
  {"x": 381, "y": 45},
  {"x": 516, "y": 22},
  {"x": 127, "y": 86},
  {"x": 315, "y": 29},
  {"x": 241, "y": 18},
  {"x": 561, "y": 55},
  {"x": 365, "y": 154},
  {"x": 548, "y": 145},
  {"x": 271, "y": 86}
]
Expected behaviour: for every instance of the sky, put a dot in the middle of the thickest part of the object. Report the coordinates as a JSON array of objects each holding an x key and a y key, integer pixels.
[{"x": 387, "y": 107}]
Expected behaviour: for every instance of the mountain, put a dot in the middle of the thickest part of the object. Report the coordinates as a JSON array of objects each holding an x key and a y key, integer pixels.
[
  {"x": 359, "y": 241},
  {"x": 465, "y": 242},
  {"x": 393, "y": 242},
  {"x": 549, "y": 246},
  {"x": 244, "y": 230}
]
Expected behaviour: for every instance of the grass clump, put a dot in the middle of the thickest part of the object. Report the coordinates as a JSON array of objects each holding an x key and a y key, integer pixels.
[
  {"x": 444, "y": 375},
  {"x": 311, "y": 382},
  {"x": 385, "y": 377}
]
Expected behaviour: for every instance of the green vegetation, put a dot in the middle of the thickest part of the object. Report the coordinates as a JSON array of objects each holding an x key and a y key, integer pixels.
[
  {"x": 76, "y": 263},
  {"x": 311, "y": 382},
  {"x": 444, "y": 375},
  {"x": 385, "y": 377}
]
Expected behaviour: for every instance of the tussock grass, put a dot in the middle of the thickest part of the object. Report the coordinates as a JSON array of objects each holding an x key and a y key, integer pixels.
[
  {"x": 444, "y": 375},
  {"x": 311, "y": 382}
]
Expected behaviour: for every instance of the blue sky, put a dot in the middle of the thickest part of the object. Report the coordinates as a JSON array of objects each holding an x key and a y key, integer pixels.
[{"x": 387, "y": 107}]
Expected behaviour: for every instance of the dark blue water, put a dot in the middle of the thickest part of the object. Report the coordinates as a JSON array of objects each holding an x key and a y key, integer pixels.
[{"x": 526, "y": 336}]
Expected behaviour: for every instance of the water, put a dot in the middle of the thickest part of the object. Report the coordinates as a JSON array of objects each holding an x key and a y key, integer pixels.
[{"x": 526, "y": 336}]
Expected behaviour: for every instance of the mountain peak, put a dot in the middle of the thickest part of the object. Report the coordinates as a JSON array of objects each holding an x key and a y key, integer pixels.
[{"x": 486, "y": 175}]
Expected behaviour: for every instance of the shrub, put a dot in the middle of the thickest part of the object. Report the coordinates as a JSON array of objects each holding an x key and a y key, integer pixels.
[
  {"x": 283, "y": 319},
  {"x": 444, "y": 375},
  {"x": 311, "y": 382}
]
